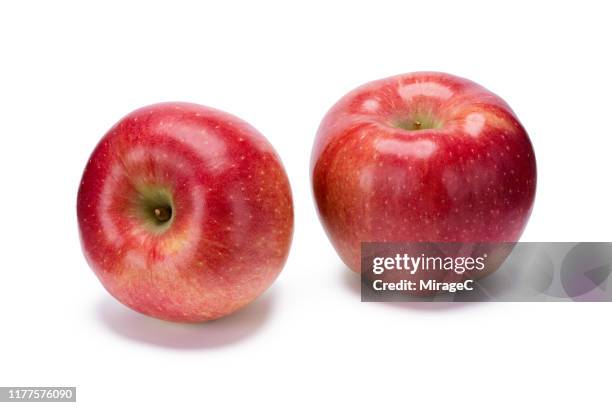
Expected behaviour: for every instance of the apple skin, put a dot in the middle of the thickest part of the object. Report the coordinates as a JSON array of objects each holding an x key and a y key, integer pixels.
[
  {"x": 421, "y": 157},
  {"x": 231, "y": 221}
]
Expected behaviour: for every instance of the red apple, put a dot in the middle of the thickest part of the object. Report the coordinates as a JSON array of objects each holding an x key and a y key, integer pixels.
[
  {"x": 185, "y": 212},
  {"x": 422, "y": 157}
]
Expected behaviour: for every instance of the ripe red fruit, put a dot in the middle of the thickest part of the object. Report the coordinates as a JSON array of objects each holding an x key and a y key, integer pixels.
[
  {"x": 423, "y": 157},
  {"x": 185, "y": 212}
]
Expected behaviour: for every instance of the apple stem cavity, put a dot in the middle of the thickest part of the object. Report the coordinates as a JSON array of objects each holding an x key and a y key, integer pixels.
[
  {"x": 162, "y": 214},
  {"x": 419, "y": 122},
  {"x": 155, "y": 207}
]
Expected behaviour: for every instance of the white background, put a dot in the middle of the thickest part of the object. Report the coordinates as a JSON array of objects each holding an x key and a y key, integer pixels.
[{"x": 68, "y": 71}]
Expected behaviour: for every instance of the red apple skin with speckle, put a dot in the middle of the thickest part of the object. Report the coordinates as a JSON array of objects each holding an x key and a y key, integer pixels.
[
  {"x": 422, "y": 157},
  {"x": 226, "y": 220}
]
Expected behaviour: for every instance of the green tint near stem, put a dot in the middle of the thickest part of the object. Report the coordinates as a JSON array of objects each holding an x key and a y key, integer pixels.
[
  {"x": 155, "y": 207},
  {"x": 419, "y": 121}
]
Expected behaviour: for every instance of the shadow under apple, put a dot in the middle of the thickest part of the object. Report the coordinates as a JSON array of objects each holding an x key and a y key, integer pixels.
[{"x": 225, "y": 331}]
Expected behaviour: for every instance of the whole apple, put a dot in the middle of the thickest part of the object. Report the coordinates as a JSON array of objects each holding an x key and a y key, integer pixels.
[
  {"x": 422, "y": 157},
  {"x": 185, "y": 212}
]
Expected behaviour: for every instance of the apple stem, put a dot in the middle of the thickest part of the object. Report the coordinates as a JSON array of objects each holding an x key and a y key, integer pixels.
[
  {"x": 162, "y": 214},
  {"x": 417, "y": 125}
]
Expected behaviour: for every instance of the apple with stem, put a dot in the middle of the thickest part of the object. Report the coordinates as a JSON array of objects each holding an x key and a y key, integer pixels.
[
  {"x": 185, "y": 212},
  {"x": 421, "y": 157}
]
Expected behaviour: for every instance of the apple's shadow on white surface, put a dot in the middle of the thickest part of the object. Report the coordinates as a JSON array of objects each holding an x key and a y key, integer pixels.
[
  {"x": 214, "y": 334},
  {"x": 352, "y": 282}
]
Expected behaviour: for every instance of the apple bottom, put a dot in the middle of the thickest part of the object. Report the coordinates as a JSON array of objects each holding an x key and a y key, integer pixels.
[{"x": 190, "y": 297}]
